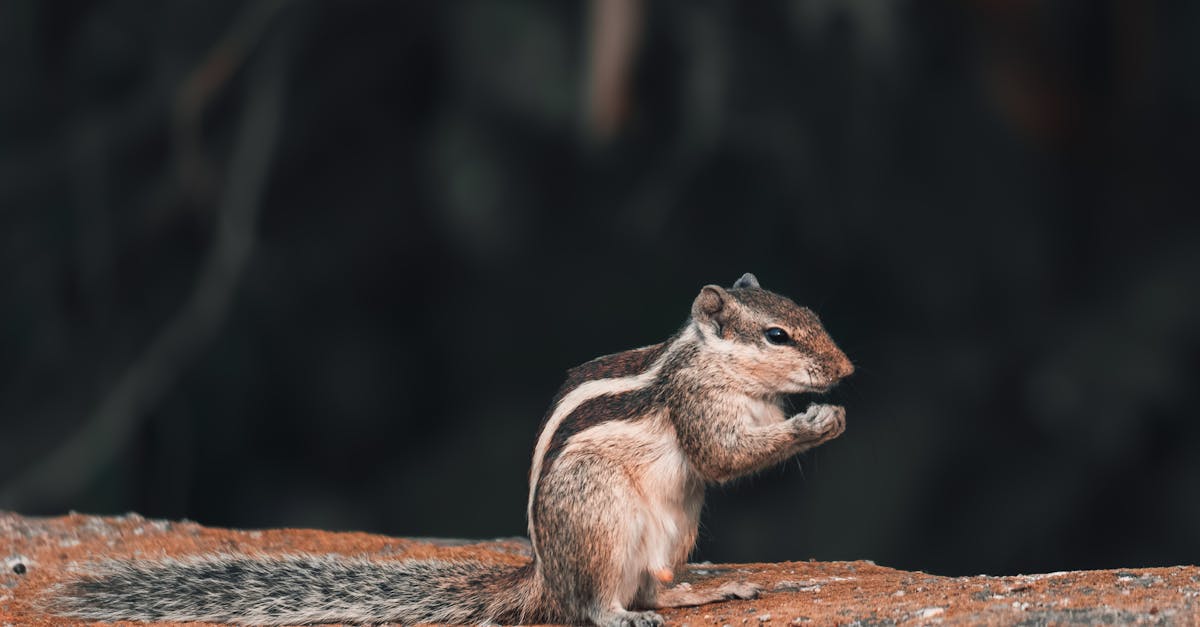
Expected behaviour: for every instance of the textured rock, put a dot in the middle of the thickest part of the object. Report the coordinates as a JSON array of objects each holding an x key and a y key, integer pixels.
[{"x": 35, "y": 552}]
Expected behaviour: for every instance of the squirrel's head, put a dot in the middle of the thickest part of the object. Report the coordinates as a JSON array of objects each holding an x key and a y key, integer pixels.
[{"x": 771, "y": 344}]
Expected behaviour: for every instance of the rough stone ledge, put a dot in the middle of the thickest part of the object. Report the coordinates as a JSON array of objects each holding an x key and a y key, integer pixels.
[{"x": 35, "y": 552}]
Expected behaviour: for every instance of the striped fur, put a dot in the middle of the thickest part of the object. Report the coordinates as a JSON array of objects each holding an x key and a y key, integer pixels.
[
  {"x": 298, "y": 589},
  {"x": 604, "y": 376},
  {"x": 615, "y": 492}
]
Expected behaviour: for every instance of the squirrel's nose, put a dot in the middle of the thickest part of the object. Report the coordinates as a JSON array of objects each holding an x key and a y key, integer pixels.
[{"x": 844, "y": 368}]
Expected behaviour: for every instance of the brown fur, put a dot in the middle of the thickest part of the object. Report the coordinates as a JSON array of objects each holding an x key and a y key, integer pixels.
[
  {"x": 608, "y": 366},
  {"x": 616, "y": 489},
  {"x": 621, "y": 479}
]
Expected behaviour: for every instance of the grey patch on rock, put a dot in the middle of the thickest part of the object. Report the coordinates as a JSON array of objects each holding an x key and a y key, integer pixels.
[
  {"x": 704, "y": 572},
  {"x": 468, "y": 541},
  {"x": 26, "y": 528},
  {"x": 1144, "y": 581},
  {"x": 515, "y": 546},
  {"x": 982, "y": 595},
  {"x": 511, "y": 546},
  {"x": 872, "y": 622},
  {"x": 16, "y": 565},
  {"x": 1089, "y": 616}
]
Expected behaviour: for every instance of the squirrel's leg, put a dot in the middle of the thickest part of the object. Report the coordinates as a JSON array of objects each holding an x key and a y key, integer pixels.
[
  {"x": 587, "y": 523},
  {"x": 726, "y": 448}
]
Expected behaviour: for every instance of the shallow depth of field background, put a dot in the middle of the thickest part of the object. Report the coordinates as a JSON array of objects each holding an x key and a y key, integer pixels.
[{"x": 325, "y": 263}]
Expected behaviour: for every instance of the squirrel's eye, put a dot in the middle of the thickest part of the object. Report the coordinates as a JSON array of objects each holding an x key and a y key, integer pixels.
[{"x": 775, "y": 335}]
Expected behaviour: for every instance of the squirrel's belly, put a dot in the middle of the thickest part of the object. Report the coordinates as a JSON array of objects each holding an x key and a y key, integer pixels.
[{"x": 673, "y": 500}]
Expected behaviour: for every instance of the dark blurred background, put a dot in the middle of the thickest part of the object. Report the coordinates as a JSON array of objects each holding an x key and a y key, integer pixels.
[{"x": 325, "y": 263}]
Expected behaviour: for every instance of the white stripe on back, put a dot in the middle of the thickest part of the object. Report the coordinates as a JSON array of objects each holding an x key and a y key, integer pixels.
[
  {"x": 583, "y": 393},
  {"x": 571, "y": 402}
]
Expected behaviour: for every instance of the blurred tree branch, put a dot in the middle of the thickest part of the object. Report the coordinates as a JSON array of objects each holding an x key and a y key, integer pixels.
[
  {"x": 203, "y": 84},
  {"x": 703, "y": 85},
  {"x": 614, "y": 29},
  {"x": 68, "y": 468}
]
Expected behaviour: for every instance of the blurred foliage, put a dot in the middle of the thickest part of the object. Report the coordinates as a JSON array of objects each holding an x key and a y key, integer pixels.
[{"x": 991, "y": 205}]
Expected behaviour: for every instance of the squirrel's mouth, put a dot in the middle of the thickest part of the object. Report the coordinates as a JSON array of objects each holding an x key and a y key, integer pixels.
[
  {"x": 813, "y": 393},
  {"x": 808, "y": 381},
  {"x": 815, "y": 387}
]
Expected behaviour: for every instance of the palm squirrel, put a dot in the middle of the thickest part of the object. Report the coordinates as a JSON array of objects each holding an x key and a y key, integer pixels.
[{"x": 615, "y": 493}]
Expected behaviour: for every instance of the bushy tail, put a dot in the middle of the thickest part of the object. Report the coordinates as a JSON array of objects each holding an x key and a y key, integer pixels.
[{"x": 299, "y": 589}]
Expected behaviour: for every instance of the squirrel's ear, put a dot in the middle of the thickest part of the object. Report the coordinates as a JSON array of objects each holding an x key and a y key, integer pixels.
[
  {"x": 712, "y": 305},
  {"x": 747, "y": 280}
]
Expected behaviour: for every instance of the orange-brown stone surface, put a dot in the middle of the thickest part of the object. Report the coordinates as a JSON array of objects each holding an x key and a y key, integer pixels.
[{"x": 35, "y": 552}]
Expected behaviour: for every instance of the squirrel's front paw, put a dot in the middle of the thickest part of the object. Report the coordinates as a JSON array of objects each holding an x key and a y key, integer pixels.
[{"x": 822, "y": 422}]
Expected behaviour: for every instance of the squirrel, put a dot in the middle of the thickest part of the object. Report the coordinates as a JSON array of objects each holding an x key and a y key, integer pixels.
[{"x": 615, "y": 492}]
